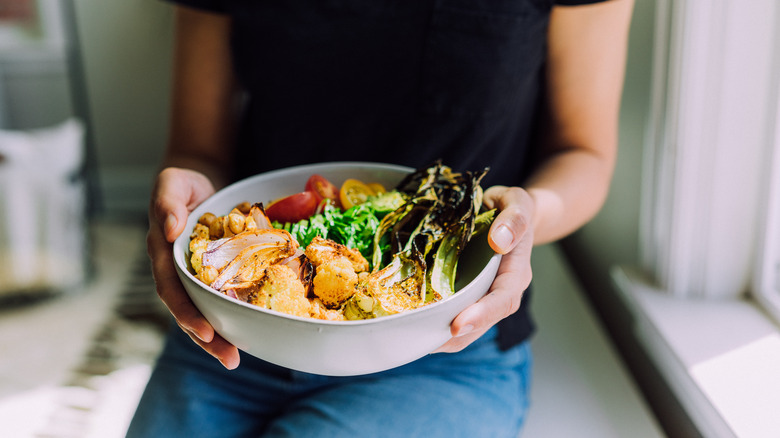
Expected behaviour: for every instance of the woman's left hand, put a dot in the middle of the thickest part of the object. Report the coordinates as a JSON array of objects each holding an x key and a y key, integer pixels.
[{"x": 511, "y": 235}]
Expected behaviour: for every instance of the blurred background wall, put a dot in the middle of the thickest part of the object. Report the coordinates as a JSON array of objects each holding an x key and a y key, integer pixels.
[{"x": 124, "y": 49}]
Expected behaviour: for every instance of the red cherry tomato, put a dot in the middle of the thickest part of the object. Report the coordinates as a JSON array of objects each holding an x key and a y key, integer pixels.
[
  {"x": 293, "y": 208},
  {"x": 323, "y": 188}
]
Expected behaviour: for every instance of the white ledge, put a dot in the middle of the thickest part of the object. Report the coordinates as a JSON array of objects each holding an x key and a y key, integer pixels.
[{"x": 720, "y": 357}]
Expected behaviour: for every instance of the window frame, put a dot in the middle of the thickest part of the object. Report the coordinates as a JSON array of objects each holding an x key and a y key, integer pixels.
[
  {"x": 766, "y": 284},
  {"x": 703, "y": 215}
]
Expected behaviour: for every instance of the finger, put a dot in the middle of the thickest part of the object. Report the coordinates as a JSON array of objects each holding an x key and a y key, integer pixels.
[
  {"x": 492, "y": 196},
  {"x": 167, "y": 204},
  {"x": 171, "y": 291},
  {"x": 456, "y": 344},
  {"x": 504, "y": 298},
  {"x": 219, "y": 348},
  {"x": 513, "y": 221},
  {"x": 175, "y": 194}
]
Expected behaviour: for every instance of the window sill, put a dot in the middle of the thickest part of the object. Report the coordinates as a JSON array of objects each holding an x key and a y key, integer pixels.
[{"x": 720, "y": 356}]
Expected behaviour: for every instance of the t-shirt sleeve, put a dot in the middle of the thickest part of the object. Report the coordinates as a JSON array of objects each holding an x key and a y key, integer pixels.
[
  {"x": 206, "y": 5},
  {"x": 577, "y": 2}
]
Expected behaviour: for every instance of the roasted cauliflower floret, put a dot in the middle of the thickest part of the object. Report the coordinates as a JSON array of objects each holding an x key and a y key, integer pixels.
[
  {"x": 319, "y": 311},
  {"x": 281, "y": 290},
  {"x": 198, "y": 245},
  {"x": 322, "y": 250},
  {"x": 335, "y": 281}
]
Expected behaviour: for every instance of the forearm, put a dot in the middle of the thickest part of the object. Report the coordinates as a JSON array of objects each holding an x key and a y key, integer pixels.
[
  {"x": 216, "y": 173},
  {"x": 587, "y": 55},
  {"x": 205, "y": 101},
  {"x": 568, "y": 190}
]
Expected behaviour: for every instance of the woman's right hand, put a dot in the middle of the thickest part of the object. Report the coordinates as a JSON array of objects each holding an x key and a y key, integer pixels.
[{"x": 176, "y": 193}]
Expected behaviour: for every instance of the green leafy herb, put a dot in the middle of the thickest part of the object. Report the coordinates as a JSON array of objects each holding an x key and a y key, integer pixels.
[{"x": 355, "y": 227}]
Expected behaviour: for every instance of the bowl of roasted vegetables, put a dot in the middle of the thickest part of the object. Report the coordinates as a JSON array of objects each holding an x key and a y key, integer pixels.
[{"x": 339, "y": 268}]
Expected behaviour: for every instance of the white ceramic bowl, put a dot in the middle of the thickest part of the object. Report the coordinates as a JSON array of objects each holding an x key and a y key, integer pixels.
[{"x": 336, "y": 348}]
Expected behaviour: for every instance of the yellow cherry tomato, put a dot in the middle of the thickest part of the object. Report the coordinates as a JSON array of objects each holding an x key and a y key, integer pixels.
[
  {"x": 354, "y": 192},
  {"x": 377, "y": 188}
]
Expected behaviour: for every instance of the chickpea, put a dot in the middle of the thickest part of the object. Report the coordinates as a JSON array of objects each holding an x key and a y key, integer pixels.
[
  {"x": 216, "y": 230},
  {"x": 207, "y": 219},
  {"x": 208, "y": 274},
  {"x": 251, "y": 224},
  {"x": 225, "y": 223},
  {"x": 236, "y": 222},
  {"x": 244, "y": 207}
]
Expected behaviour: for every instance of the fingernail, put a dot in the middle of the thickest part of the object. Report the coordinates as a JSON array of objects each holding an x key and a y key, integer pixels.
[
  {"x": 228, "y": 365},
  {"x": 465, "y": 330},
  {"x": 503, "y": 237},
  {"x": 170, "y": 223},
  {"x": 192, "y": 332},
  {"x": 229, "y": 362}
]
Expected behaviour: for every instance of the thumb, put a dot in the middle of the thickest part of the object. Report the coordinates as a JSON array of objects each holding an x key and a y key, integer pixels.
[
  {"x": 174, "y": 224},
  {"x": 176, "y": 193}
]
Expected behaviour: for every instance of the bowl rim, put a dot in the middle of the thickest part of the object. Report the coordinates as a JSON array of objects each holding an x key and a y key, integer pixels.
[{"x": 181, "y": 248}]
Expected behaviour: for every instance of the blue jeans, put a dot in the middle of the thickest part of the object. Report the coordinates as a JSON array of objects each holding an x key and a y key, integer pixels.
[{"x": 478, "y": 392}]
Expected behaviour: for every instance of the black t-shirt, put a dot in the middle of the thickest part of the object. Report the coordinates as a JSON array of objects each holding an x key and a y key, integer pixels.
[{"x": 403, "y": 82}]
